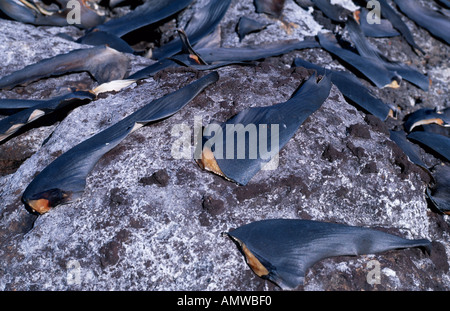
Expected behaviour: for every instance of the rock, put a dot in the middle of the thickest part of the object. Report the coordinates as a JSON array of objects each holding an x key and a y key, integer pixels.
[
  {"x": 109, "y": 254},
  {"x": 151, "y": 221},
  {"x": 160, "y": 178},
  {"x": 213, "y": 206},
  {"x": 359, "y": 130}
]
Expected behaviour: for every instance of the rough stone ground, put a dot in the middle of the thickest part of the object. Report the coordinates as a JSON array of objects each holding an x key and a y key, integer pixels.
[{"x": 149, "y": 221}]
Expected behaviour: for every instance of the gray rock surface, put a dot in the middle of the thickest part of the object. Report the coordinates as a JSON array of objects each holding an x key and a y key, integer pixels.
[{"x": 150, "y": 220}]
